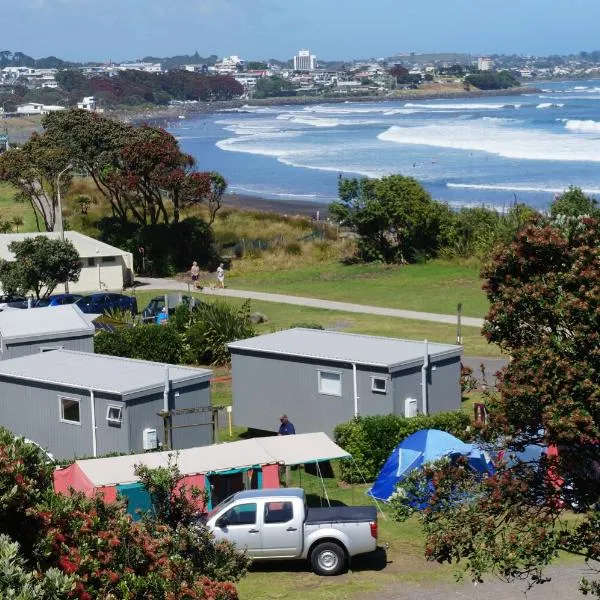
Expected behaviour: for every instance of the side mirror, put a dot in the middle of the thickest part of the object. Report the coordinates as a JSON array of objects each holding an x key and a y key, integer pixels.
[{"x": 221, "y": 522}]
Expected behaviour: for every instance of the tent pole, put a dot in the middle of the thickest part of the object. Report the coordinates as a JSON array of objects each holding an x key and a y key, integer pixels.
[{"x": 323, "y": 484}]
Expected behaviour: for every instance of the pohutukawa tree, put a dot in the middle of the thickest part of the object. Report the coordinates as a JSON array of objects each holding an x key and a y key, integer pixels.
[{"x": 544, "y": 290}]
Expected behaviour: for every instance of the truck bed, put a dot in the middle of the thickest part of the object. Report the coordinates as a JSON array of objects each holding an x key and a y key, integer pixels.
[{"x": 341, "y": 514}]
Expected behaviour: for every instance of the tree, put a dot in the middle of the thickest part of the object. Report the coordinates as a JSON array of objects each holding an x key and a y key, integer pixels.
[
  {"x": 33, "y": 169},
  {"x": 39, "y": 265},
  {"x": 269, "y": 87},
  {"x": 93, "y": 548},
  {"x": 395, "y": 218},
  {"x": 574, "y": 203},
  {"x": 545, "y": 311},
  {"x": 218, "y": 187},
  {"x": 492, "y": 80}
]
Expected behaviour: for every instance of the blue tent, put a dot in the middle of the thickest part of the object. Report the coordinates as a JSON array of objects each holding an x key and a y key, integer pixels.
[{"x": 422, "y": 447}]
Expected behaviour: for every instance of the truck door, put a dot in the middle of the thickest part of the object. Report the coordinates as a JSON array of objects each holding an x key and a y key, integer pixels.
[
  {"x": 283, "y": 529},
  {"x": 240, "y": 525}
]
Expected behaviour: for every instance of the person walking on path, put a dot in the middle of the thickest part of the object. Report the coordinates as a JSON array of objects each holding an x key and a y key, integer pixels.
[
  {"x": 220, "y": 276},
  {"x": 286, "y": 427},
  {"x": 195, "y": 274}
]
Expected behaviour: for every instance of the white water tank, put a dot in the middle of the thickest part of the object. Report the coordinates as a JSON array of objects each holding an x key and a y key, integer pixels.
[{"x": 149, "y": 439}]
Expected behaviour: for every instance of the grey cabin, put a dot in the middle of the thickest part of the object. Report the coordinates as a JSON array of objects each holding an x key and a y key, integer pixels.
[
  {"x": 83, "y": 404},
  {"x": 31, "y": 331},
  {"x": 322, "y": 378}
]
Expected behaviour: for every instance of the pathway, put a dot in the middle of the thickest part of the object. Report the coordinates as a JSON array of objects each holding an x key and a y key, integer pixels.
[{"x": 151, "y": 283}]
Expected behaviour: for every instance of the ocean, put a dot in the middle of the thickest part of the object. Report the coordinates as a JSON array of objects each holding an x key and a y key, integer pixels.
[{"x": 466, "y": 152}]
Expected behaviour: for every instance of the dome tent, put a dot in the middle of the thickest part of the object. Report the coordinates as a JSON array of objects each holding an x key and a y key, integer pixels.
[{"x": 425, "y": 446}]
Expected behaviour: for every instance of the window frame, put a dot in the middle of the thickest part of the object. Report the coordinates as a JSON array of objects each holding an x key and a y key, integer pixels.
[
  {"x": 376, "y": 390},
  {"x": 233, "y": 508},
  {"x": 61, "y": 411},
  {"x": 291, "y": 513},
  {"x": 112, "y": 421},
  {"x": 319, "y": 379}
]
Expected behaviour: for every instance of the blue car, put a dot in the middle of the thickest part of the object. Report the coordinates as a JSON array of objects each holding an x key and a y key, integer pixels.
[
  {"x": 56, "y": 300},
  {"x": 101, "y": 302}
]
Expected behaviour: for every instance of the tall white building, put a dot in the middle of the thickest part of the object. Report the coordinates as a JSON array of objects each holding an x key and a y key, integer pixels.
[
  {"x": 305, "y": 61},
  {"x": 485, "y": 64}
]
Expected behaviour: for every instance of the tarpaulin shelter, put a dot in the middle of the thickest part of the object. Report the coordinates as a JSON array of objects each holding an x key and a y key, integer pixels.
[
  {"x": 418, "y": 449},
  {"x": 257, "y": 459}
]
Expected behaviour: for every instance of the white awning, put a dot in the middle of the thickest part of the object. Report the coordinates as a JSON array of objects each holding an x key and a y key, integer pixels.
[{"x": 284, "y": 450}]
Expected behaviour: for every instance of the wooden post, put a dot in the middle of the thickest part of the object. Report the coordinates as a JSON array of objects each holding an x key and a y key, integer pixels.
[
  {"x": 166, "y": 429},
  {"x": 459, "y": 339}
]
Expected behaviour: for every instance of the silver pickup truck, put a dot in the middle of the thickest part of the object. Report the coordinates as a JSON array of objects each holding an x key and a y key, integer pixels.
[{"x": 275, "y": 524}]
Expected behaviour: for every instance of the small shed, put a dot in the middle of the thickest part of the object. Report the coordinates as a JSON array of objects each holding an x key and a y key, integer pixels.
[
  {"x": 103, "y": 267},
  {"x": 221, "y": 469},
  {"x": 323, "y": 378},
  {"x": 31, "y": 331},
  {"x": 84, "y": 404}
]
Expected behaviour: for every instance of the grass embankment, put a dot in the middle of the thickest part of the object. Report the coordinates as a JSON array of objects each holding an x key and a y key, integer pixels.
[{"x": 9, "y": 209}]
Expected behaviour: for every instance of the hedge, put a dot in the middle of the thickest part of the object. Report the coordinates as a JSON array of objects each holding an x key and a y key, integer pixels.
[
  {"x": 159, "y": 343},
  {"x": 371, "y": 440}
]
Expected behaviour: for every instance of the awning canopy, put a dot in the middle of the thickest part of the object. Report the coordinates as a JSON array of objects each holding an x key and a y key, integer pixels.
[{"x": 284, "y": 450}]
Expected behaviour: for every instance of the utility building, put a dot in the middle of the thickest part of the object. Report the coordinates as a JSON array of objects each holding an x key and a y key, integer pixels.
[
  {"x": 83, "y": 404},
  {"x": 38, "y": 330},
  {"x": 323, "y": 378}
]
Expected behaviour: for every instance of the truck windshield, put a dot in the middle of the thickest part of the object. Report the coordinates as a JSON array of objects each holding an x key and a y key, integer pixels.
[{"x": 220, "y": 507}]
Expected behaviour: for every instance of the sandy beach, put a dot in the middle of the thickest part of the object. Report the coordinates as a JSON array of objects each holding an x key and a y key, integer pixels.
[{"x": 288, "y": 208}]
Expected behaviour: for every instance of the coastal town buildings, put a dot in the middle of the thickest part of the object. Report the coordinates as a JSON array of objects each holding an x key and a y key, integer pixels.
[{"x": 305, "y": 61}]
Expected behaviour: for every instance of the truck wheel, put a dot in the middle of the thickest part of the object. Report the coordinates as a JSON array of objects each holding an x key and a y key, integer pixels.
[{"x": 328, "y": 559}]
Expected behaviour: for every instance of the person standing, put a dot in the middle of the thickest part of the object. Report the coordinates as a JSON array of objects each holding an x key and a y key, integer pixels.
[
  {"x": 195, "y": 273},
  {"x": 221, "y": 276},
  {"x": 286, "y": 427}
]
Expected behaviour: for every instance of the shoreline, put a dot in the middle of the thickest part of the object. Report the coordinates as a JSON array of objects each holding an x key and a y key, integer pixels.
[
  {"x": 286, "y": 208},
  {"x": 159, "y": 115}
]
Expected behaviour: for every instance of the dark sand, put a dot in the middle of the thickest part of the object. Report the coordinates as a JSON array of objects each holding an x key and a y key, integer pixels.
[{"x": 288, "y": 208}]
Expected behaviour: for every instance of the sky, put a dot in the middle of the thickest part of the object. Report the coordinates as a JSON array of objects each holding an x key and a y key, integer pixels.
[{"x": 101, "y": 30}]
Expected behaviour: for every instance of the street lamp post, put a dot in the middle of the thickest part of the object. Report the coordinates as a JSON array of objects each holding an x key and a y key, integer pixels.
[{"x": 60, "y": 213}]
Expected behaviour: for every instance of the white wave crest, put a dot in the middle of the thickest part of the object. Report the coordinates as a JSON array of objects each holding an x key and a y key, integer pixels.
[
  {"x": 509, "y": 142},
  {"x": 510, "y": 187},
  {"x": 550, "y": 105},
  {"x": 465, "y": 106},
  {"x": 588, "y": 126}
]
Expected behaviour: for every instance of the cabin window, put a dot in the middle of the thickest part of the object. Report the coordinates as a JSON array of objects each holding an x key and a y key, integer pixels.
[
  {"x": 69, "y": 411},
  {"x": 330, "y": 383},
  {"x": 91, "y": 262},
  {"x": 50, "y": 348},
  {"x": 108, "y": 259},
  {"x": 278, "y": 512},
  {"x": 114, "y": 414},
  {"x": 379, "y": 385}
]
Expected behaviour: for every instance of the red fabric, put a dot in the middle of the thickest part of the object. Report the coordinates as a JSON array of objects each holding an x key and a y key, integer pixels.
[
  {"x": 72, "y": 477},
  {"x": 109, "y": 493},
  {"x": 270, "y": 478},
  {"x": 190, "y": 481}
]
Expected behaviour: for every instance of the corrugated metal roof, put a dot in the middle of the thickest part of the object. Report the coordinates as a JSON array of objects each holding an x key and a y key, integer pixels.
[
  {"x": 344, "y": 347},
  {"x": 285, "y": 450},
  {"x": 39, "y": 323},
  {"x": 86, "y": 246},
  {"x": 98, "y": 372}
]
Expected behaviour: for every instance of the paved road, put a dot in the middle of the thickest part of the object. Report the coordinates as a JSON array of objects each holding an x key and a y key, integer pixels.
[{"x": 151, "y": 283}]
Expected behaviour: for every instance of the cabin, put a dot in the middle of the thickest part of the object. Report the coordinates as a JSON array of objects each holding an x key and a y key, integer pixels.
[
  {"x": 31, "y": 331},
  {"x": 78, "y": 404},
  {"x": 323, "y": 378}
]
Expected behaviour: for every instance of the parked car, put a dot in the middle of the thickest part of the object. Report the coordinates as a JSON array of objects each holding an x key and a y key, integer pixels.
[
  {"x": 156, "y": 305},
  {"x": 53, "y": 300},
  {"x": 10, "y": 300},
  {"x": 101, "y": 302},
  {"x": 274, "y": 524}
]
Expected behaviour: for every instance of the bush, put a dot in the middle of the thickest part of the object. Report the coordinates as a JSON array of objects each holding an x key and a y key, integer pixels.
[
  {"x": 159, "y": 343},
  {"x": 307, "y": 325},
  {"x": 370, "y": 440}
]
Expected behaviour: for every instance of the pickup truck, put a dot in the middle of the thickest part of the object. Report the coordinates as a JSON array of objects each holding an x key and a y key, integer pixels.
[{"x": 275, "y": 524}]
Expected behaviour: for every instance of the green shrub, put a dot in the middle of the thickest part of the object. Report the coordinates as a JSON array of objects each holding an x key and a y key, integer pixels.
[
  {"x": 371, "y": 440},
  {"x": 293, "y": 249},
  {"x": 159, "y": 343},
  {"x": 307, "y": 325},
  {"x": 213, "y": 325}
]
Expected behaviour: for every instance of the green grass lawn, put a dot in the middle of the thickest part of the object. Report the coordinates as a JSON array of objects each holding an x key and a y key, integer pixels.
[
  {"x": 283, "y": 316},
  {"x": 437, "y": 286},
  {"x": 10, "y": 209}
]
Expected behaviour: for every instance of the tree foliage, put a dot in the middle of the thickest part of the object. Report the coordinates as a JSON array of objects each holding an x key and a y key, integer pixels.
[
  {"x": 141, "y": 171},
  {"x": 492, "y": 80},
  {"x": 395, "y": 218},
  {"x": 545, "y": 311},
  {"x": 39, "y": 265},
  {"x": 574, "y": 203},
  {"x": 33, "y": 169},
  {"x": 86, "y": 548}
]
